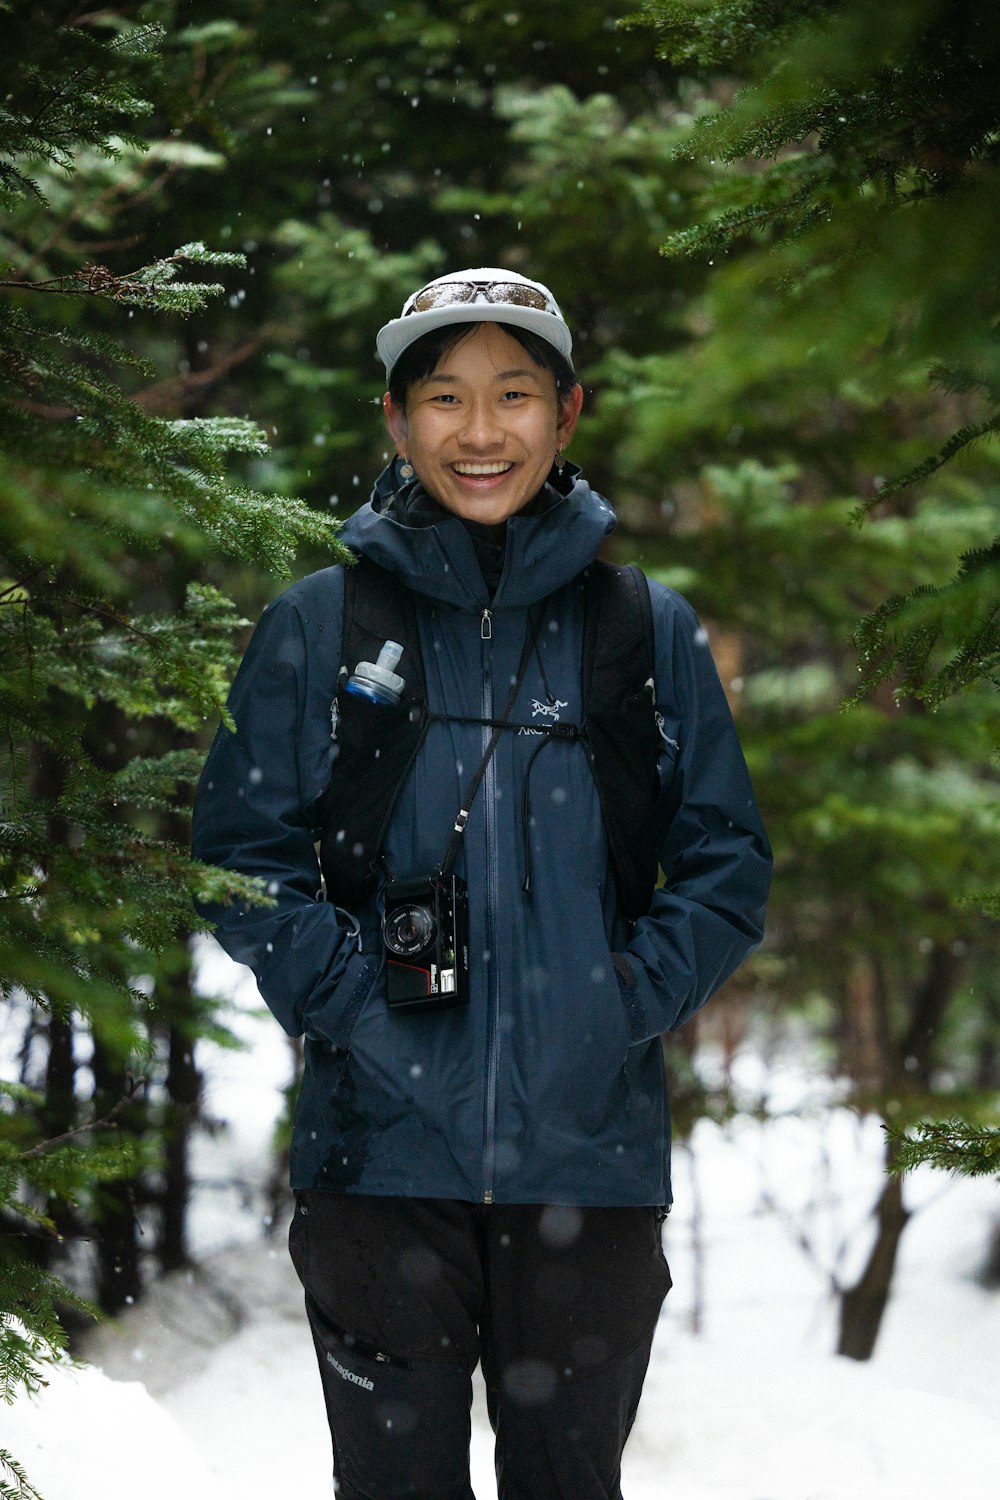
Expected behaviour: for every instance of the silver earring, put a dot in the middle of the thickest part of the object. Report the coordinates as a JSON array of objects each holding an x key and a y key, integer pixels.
[
  {"x": 560, "y": 460},
  {"x": 406, "y": 469}
]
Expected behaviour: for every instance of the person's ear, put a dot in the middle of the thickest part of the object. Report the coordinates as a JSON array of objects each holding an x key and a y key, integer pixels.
[
  {"x": 569, "y": 415},
  {"x": 395, "y": 420}
]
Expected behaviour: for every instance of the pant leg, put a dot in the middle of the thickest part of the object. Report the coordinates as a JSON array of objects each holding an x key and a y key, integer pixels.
[
  {"x": 393, "y": 1295},
  {"x": 572, "y": 1300}
]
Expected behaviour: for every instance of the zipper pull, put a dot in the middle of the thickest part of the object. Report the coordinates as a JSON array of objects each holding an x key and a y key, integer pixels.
[{"x": 486, "y": 626}]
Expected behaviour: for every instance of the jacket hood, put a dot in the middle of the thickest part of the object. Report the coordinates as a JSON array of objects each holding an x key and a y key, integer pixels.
[{"x": 546, "y": 546}]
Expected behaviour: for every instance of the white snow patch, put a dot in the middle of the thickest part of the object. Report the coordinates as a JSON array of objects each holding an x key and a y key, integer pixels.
[
  {"x": 85, "y": 1437},
  {"x": 756, "y": 1407}
]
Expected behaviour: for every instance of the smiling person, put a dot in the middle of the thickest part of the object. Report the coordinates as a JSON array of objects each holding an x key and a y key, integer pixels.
[
  {"x": 483, "y": 426},
  {"x": 487, "y": 742}
]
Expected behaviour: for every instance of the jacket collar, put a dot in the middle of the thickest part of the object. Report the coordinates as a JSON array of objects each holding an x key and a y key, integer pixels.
[{"x": 404, "y": 530}]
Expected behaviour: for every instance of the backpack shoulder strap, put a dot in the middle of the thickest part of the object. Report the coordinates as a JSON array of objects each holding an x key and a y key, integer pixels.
[
  {"x": 376, "y": 743},
  {"x": 618, "y": 670},
  {"x": 618, "y": 646},
  {"x": 379, "y": 608}
]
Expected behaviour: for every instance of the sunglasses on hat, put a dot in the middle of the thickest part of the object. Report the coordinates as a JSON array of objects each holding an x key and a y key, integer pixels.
[{"x": 457, "y": 293}]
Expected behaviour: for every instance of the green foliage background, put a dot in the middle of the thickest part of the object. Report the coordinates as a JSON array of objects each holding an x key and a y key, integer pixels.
[{"x": 772, "y": 227}]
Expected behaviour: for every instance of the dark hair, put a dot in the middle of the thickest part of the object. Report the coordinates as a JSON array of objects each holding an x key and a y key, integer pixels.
[{"x": 424, "y": 355}]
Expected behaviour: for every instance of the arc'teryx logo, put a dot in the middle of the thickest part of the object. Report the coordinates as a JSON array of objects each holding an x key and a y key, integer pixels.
[
  {"x": 346, "y": 1374},
  {"x": 547, "y": 710}
]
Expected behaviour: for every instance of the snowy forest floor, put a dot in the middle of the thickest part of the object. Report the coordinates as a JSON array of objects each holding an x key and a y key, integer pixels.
[{"x": 209, "y": 1390}]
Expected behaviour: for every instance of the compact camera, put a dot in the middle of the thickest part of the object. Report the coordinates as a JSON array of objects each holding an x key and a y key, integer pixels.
[{"x": 425, "y": 929}]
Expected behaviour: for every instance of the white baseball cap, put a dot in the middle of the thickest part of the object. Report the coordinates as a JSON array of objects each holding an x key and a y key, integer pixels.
[{"x": 486, "y": 294}]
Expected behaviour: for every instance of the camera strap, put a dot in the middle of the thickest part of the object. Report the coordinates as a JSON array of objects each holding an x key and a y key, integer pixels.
[{"x": 499, "y": 725}]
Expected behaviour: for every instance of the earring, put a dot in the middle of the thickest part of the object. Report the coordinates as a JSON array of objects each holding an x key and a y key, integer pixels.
[
  {"x": 560, "y": 460},
  {"x": 406, "y": 469}
]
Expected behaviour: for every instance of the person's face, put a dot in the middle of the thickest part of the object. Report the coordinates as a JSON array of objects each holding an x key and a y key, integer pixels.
[{"x": 482, "y": 429}]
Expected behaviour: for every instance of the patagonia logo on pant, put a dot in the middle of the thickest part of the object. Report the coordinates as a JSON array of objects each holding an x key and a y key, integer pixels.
[{"x": 346, "y": 1374}]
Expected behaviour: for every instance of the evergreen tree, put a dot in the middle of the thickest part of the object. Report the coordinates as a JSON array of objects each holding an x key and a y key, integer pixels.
[
  {"x": 347, "y": 154},
  {"x": 365, "y": 153},
  {"x": 845, "y": 367},
  {"x": 868, "y": 215},
  {"x": 111, "y": 658}
]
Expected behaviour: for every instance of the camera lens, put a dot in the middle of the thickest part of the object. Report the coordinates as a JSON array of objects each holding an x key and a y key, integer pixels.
[{"x": 408, "y": 930}]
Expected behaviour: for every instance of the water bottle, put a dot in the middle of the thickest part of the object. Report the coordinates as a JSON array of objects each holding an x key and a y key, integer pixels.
[{"x": 376, "y": 680}]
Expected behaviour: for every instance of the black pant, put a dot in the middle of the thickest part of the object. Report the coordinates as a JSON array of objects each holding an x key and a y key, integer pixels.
[{"x": 405, "y": 1295}]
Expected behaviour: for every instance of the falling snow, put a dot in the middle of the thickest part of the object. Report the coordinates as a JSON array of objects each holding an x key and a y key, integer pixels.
[{"x": 214, "y": 1373}]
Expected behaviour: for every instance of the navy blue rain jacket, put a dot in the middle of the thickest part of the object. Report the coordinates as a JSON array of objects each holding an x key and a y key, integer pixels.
[{"x": 549, "y": 1085}]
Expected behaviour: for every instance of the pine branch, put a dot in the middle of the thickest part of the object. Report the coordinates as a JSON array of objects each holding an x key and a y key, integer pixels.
[
  {"x": 150, "y": 286},
  {"x": 73, "y": 82},
  {"x": 21, "y": 1487},
  {"x": 952, "y": 1145},
  {"x": 972, "y": 432},
  {"x": 131, "y": 191},
  {"x": 31, "y": 1334},
  {"x": 43, "y": 1147}
]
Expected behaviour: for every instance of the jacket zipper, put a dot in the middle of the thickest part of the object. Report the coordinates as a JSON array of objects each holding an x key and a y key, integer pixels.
[{"x": 492, "y": 893}]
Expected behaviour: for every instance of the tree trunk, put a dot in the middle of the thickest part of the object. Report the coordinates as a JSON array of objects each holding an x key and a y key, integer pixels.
[
  {"x": 59, "y": 1110},
  {"x": 930, "y": 1005},
  {"x": 119, "y": 1278},
  {"x": 59, "y": 1114},
  {"x": 183, "y": 1093},
  {"x": 179, "y": 1011},
  {"x": 863, "y": 1305}
]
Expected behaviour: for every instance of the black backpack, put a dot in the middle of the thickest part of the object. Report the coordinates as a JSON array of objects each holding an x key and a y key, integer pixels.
[{"x": 377, "y": 743}]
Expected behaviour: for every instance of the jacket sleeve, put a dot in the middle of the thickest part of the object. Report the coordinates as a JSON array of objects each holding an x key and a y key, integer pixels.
[
  {"x": 255, "y": 813},
  {"x": 709, "y": 913}
]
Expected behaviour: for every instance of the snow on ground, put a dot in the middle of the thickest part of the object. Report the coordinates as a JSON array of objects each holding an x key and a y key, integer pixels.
[{"x": 209, "y": 1390}]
